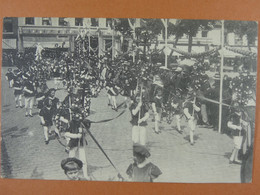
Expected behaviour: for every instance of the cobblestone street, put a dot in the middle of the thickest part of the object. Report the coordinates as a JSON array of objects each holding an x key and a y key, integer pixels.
[{"x": 25, "y": 155}]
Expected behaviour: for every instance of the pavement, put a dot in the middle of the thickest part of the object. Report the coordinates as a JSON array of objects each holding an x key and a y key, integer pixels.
[{"x": 25, "y": 156}]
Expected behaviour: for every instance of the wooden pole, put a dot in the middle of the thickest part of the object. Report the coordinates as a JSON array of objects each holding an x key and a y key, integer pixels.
[
  {"x": 89, "y": 45},
  {"x": 99, "y": 47},
  {"x": 141, "y": 97},
  {"x": 85, "y": 168},
  {"x": 221, "y": 77},
  {"x": 166, "y": 42},
  {"x": 134, "y": 37},
  {"x": 112, "y": 28}
]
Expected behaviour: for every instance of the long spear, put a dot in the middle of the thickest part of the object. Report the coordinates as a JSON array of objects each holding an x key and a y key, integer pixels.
[
  {"x": 119, "y": 174},
  {"x": 141, "y": 97}
]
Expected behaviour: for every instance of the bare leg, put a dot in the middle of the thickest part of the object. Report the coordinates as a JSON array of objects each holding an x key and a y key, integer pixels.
[
  {"x": 72, "y": 152},
  {"x": 178, "y": 122},
  {"x": 46, "y": 133},
  {"x": 114, "y": 102}
]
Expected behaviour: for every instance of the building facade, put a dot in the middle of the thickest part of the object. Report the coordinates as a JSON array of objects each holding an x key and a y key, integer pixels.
[
  {"x": 25, "y": 32},
  {"x": 61, "y": 32}
]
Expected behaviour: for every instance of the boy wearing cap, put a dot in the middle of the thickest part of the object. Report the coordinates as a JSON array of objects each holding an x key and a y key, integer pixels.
[
  {"x": 72, "y": 167},
  {"x": 142, "y": 170}
]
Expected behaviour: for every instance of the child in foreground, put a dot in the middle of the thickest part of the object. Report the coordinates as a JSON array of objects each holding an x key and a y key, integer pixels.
[
  {"x": 72, "y": 168},
  {"x": 142, "y": 170}
]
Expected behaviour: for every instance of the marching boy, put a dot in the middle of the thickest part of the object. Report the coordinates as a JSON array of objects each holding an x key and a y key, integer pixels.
[
  {"x": 157, "y": 106},
  {"x": 9, "y": 77},
  {"x": 46, "y": 115},
  {"x": 75, "y": 138},
  {"x": 140, "y": 115},
  {"x": 190, "y": 108},
  {"x": 18, "y": 91},
  {"x": 29, "y": 92},
  {"x": 176, "y": 104}
]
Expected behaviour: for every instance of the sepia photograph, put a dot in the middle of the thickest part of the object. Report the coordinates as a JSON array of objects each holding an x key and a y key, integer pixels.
[{"x": 128, "y": 99}]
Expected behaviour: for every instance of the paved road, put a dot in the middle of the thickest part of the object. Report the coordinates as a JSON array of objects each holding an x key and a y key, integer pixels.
[{"x": 25, "y": 155}]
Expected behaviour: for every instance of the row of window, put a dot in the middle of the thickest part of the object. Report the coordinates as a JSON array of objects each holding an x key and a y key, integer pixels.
[
  {"x": 64, "y": 22},
  {"x": 8, "y": 22}
]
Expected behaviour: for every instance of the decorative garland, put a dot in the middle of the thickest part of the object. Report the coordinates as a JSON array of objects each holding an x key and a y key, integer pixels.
[
  {"x": 243, "y": 52},
  {"x": 196, "y": 55}
]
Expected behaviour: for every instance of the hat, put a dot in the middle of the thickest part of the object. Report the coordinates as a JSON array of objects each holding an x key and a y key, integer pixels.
[
  {"x": 65, "y": 164},
  {"x": 141, "y": 150}
]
